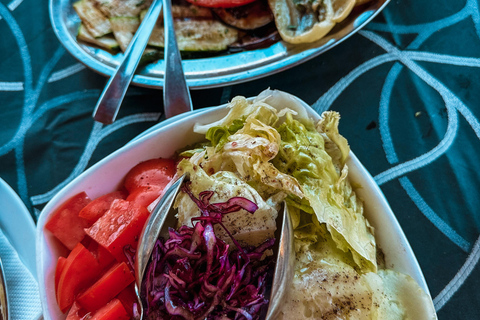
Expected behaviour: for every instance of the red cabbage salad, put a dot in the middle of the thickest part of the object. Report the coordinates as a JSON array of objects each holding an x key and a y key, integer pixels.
[{"x": 195, "y": 275}]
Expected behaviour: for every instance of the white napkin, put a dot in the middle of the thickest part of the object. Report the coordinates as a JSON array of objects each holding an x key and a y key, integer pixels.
[{"x": 23, "y": 295}]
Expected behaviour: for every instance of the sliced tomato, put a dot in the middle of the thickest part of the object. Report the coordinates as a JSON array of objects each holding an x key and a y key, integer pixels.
[
  {"x": 79, "y": 271},
  {"x": 113, "y": 310},
  {"x": 106, "y": 288},
  {"x": 220, "y": 3},
  {"x": 153, "y": 172},
  {"x": 58, "y": 270},
  {"x": 129, "y": 299},
  {"x": 65, "y": 224},
  {"x": 144, "y": 196},
  {"x": 119, "y": 226},
  {"x": 103, "y": 256},
  {"x": 77, "y": 313},
  {"x": 99, "y": 206}
]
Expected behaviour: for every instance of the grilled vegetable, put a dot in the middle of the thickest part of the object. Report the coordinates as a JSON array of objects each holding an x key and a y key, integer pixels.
[
  {"x": 124, "y": 28},
  {"x": 256, "y": 41},
  {"x": 150, "y": 55},
  {"x": 220, "y": 3},
  {"x": 92, "y": 18},
  {"x": 106, "y": 42},
  {"x": 300, "y": 21},
  {"x": 248, "y": 17},
  {"x": 122, "y": 8},
  {"x": 197, "y": 35},
  {"x": 185, "y": 11},
  {"x": 196, "y": 30}
]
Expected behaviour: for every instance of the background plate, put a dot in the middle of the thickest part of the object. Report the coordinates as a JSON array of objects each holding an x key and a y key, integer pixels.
[
  {"x": 208, "y": 72},
  {"x": 17, "y": 225}
]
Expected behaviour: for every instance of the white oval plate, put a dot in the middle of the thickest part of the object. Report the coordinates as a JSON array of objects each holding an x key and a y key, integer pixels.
[
  {"x": 17, "y": 225},
  {"x": 108, "y": 175}
]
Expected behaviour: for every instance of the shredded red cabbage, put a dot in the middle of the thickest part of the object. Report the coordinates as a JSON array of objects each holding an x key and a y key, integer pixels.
[{"x": 192, "y": 275}]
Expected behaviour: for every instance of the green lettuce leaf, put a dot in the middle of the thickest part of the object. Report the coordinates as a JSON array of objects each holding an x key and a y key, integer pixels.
[
  {"x": 327, "y": 286},
  {"x": 246, "y": 228},
  {"x": 249, "y": 151},
  {"x": 218, "y": 135},
  {"x": 324, "y": 184},
  {"x": 281, "y": 156},
  {"x": 335, "y": 144}
]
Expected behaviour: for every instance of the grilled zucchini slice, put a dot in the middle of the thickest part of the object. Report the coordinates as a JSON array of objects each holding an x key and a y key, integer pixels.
[
  {"x": 122, "y": 8},
  {"x": 106, "y": 42},
  {"x": 123, "y": 29},
  {"x": 93, "y": 19},
  {"x": 150, "y": 55}
]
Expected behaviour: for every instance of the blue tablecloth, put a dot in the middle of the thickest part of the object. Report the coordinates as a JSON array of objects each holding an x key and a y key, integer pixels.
[{"x": 407, "y": 87}]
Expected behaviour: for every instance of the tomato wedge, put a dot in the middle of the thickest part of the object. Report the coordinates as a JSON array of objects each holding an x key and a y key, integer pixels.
[
  {"x": 65, "y": 224},
  {"x": 79, "y": 271},
  {"x": 113, "y": 310},
  {"x": 58, "y": 270},
  {"x": 220, "y": 3},
  {"x": 119, "y": 226},
  {"x": 153, "y": 172},
  {"x": 76, "y": 313},
  {"x": 129, "y": 299},
  {"x": 144, "y": 196},
  {"x": 99, "y": 206},
  {"x": 106, "y": 288},
  {"x": 103, "y": 256}
]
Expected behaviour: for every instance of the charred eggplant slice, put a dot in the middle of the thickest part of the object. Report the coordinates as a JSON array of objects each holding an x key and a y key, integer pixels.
[
  {"x": 196, "y": 30},
  {"x": 257, "y": 40},
  {"x": 248, "y": 17},
  {"x": 197, "y": 35}
]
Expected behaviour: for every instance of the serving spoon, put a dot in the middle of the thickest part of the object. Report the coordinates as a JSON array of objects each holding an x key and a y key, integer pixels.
[
  {"x": 176, "y": 95},
  {"x": 112, "y": 96},
  {"x": 163, "y": 216},
  {"x": 177, "y": 100}
]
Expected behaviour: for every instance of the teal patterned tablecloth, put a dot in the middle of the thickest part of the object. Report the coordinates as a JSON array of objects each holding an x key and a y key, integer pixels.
[{"x": 407, "y": 87}]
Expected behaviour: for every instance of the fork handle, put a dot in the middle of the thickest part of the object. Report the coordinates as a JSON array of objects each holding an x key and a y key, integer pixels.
[{"x": 176, "y": 96}]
